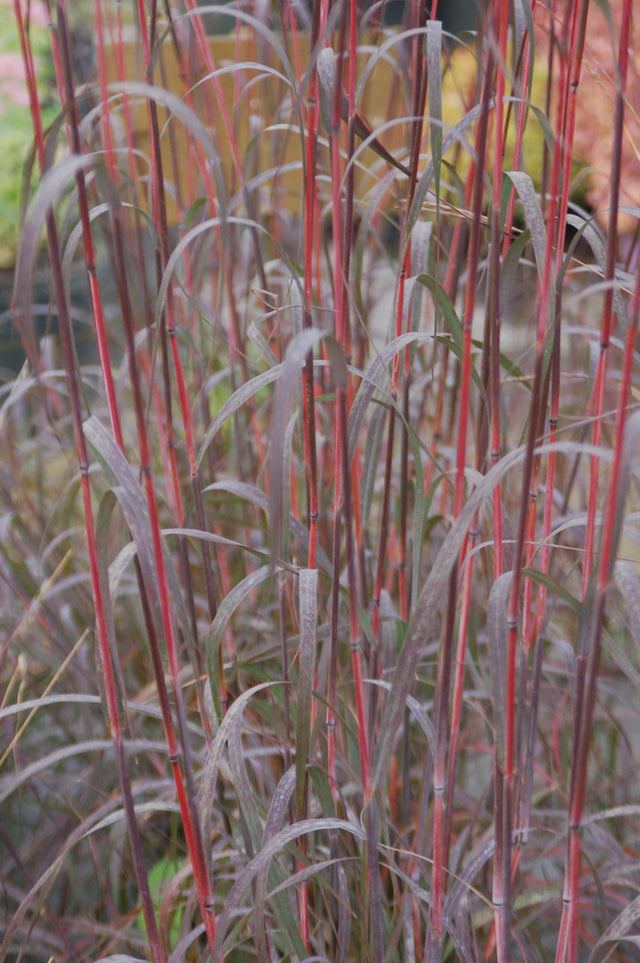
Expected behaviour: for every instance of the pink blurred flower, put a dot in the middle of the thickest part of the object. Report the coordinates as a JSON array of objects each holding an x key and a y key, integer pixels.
[
  {"x": 13, "y": 88},
  {"x": 36, "y": 10},
  {"x": 595, "y": 111}
]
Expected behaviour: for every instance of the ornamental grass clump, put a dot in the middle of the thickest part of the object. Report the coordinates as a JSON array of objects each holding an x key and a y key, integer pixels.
[{"x": 320, "y": 587}]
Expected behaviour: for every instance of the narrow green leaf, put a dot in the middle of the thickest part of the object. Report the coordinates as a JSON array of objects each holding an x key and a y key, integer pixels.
[
  {"x": 554, "y": 586},
  {"x": 445, "y": 306}
]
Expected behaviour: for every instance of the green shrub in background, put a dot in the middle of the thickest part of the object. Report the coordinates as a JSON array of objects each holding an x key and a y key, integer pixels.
[
  {"x": 15, "y": 139},
  {"x": 16, "y": 131}
]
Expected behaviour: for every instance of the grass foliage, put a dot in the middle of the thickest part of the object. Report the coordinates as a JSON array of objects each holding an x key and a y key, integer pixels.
[{"x": 319, "y": 595}]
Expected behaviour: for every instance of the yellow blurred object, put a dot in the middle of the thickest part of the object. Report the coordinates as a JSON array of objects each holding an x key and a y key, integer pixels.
[
  {"x": 260, "y": 98},
  {"x": 259, "y": 92}
]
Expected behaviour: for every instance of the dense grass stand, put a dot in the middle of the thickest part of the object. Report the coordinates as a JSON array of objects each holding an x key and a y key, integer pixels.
[{"x": 319, "y": 572}]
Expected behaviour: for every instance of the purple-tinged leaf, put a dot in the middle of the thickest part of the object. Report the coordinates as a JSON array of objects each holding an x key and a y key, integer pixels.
[
  {"x": 374, "y": 378},
  {"x": 236, "y": 401},
  {"x": 288, "y": 384},
  {"x": 532, "y": 215},
  {"x": 426, "y": 614},
  {"x": 628, "y": 582},
  {"x": 275, "y": 846},
  {"x": 456, "y": 135},
  {"x": 498, "y": 633},
  {"x": 209, "y": 775},
  {"x": 251, "y": 493},
  {"x": 278, "y": 809},
  {"x": 416, "y": 710},
  {"x": 308, "y": 615},
  {"x": 618, "y": 931},
  {"x": 434, "y": 72},
  {"x": 135, "y": 509},
  {"x": 213, "y": 639}
]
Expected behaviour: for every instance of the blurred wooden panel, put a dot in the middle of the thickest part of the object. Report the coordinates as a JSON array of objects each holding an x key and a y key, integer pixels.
[{"x": 259, "y": 93}]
